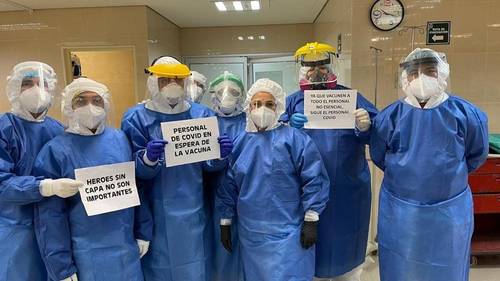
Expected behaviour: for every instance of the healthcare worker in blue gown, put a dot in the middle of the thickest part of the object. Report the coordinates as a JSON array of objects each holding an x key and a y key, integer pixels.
[
  {"x": 228, "y": 96},
  {"x": 180, "y": 246},
  {"x": 23, "y": 132},
  {"x": 276, "y": 187},
  {"x": 427, "y": 143},
  {"x": 343, "y": 228},
  {"x": 76, "y": 246}
]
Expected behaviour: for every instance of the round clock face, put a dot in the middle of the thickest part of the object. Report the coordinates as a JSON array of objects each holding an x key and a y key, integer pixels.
[{"x": 387, "y": 14}]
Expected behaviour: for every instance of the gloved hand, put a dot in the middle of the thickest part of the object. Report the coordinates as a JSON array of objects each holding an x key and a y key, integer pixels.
[
  {"x": 154, "y": 149},
  {"x": 226, "y": 146},
  {"x": 225, "y": 237},
  {"x": 61, "y": 187},
  {"x": 298, "y": 120},
  {"x": 309, "y": 234},
  {"x": 143, "y": 247},
  {"x": 71, "y": 278},
  {"x": 363, "y": 122}
]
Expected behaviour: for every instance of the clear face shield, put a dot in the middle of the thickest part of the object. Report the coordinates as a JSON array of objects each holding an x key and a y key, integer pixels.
[
  {"x": 424, "y": 74},
  {"x": 228, "y": 94},
  {"x": 166, "y": 84},
  {"x": 196, "y": 86},
  {"x": 167, "y": 91},
  {"x": 30, "y": 89},
  {"x": 86, "y": 106},
  {"x": 195, "y": 90},
  {"x": 317, "y": 72}
]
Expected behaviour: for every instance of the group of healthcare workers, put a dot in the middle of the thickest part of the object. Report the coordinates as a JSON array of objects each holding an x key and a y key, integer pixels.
[{"x": 282, "y": 203}]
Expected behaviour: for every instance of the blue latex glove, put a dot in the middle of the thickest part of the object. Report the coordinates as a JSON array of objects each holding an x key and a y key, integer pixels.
[
  {"x": 226, "y": 146},
  {"x": 298, "y": 120},
  {"x": 155, "y": 149}
]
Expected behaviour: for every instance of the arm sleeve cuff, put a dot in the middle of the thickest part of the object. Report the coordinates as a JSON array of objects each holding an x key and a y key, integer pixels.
[
  {"x": 147, "y": 161},
  {"x": 311, "y": 216}
]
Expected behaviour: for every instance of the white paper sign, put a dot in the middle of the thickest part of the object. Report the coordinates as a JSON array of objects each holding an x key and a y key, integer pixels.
[
  {"x": 108, "y": 188},
  {"x": 330, "y": 109},
  {"x": 191, "y": 141}
]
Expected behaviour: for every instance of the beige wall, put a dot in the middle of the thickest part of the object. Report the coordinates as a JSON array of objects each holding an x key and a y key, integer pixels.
[
  {"x": 284, "y": 38},
  {"x": 335, "y": 19},
  {"x": 164, "y": 36},
  {"x": 115, "y": 69},
  {"x": 474, "y": 52},
  {"x": 59, "y": 28}
]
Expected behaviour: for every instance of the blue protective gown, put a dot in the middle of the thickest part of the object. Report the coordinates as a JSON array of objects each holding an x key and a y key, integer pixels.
[
  {"x": 20, "y": 142},
  {"x": 101, "y": 247},
  {"x": 226, "y": 266},
  {"x": 274, "y": 177},
  {"x": 425, "y": 212},
  {"x": 347, "y": 214},
  {"x": 180, "y": 246}
]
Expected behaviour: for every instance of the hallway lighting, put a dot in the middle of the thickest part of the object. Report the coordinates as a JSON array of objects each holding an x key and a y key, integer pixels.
[
  {"x": 237, "y": 5},
  {"x": 255, "y": 5},
  {"x": 220, "y": 6}
]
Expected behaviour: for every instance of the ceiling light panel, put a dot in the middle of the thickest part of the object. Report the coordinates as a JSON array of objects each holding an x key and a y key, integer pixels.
[
  {"x": 221, "y": 6},
  {"x": 237, "y": 5},
  {"x": 255, "y": 5},
  {"x": 244, "y": 5}
]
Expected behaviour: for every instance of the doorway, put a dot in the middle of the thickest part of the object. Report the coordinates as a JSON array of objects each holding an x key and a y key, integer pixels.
[{"x": 113, "y": 67}]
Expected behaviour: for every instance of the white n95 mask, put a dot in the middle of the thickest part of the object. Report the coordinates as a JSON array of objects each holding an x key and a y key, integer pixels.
[
  {"x": 35, "y": 99},
  {"x": 424, "y": 87},
  {"x": 228, "y": 104},
  {"x": 172, "y": 93},
  {"x": 263, "y": 117},
  {"x": 90, "y": 116}
]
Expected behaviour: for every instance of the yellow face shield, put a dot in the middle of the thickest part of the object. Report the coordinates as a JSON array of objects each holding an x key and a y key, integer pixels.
[
  {"x": 315, "y": 53},
  {"x": 170, "y": 70}
]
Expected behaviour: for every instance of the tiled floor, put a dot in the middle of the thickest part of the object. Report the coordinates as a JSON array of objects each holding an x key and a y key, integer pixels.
[{"x": 480, "y": 273}]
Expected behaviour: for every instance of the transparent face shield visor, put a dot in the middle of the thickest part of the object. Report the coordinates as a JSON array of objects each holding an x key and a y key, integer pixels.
[
  {"x": 228, "y": 96},
  {"x": 424, "y": 77},
  {"x": 195, "y": 89},
  {"x": 317, "y": 72},
  {"x": 166, "y": 90},
  {"x": 31, "y": 88}
]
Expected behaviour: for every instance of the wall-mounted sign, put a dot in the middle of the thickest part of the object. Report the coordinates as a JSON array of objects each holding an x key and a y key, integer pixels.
[{"x": 438, "y": 32}]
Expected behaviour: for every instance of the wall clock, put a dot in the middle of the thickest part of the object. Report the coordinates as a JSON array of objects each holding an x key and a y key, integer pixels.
[{"x": 386, "y": 15}]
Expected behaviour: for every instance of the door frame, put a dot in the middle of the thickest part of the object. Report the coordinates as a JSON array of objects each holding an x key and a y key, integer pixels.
[{"x": 66, "y": 59}]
